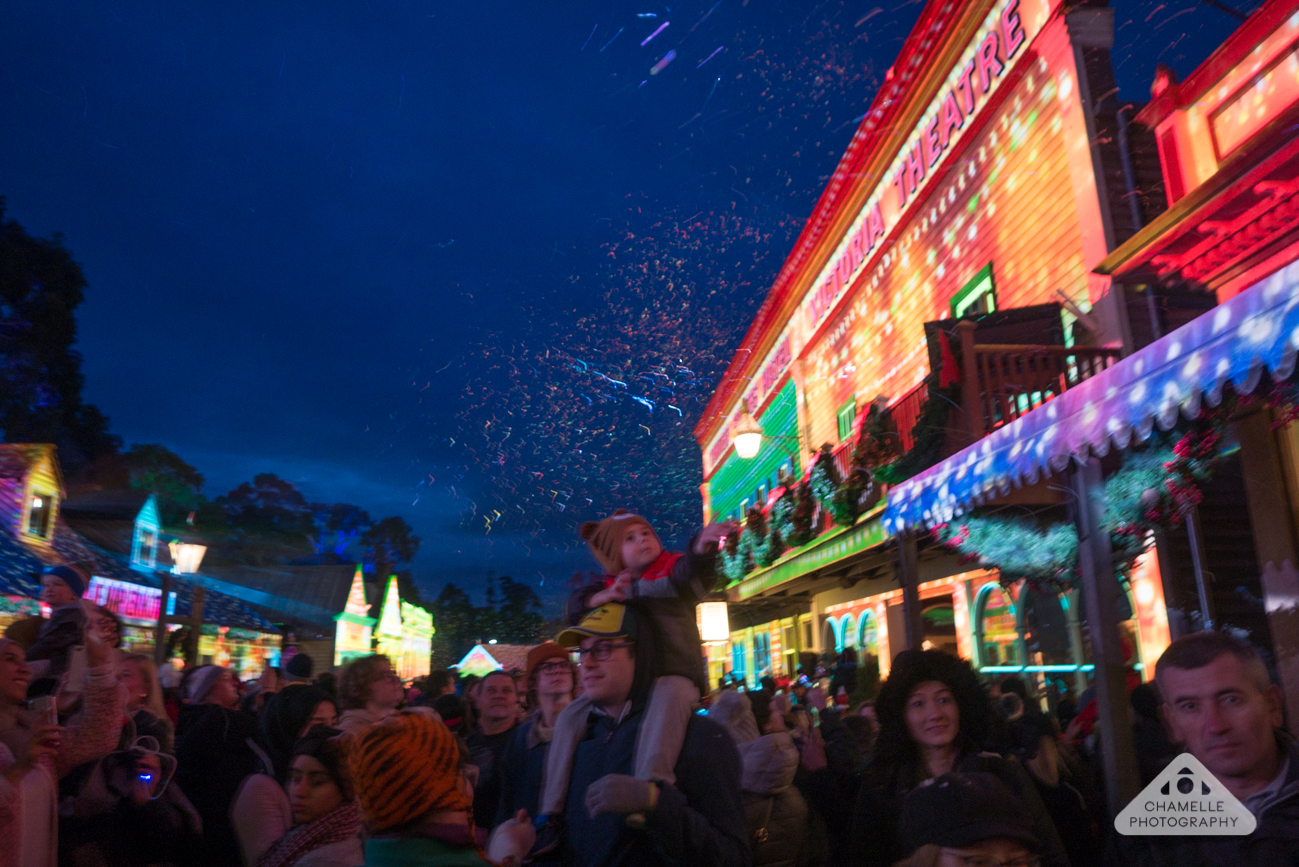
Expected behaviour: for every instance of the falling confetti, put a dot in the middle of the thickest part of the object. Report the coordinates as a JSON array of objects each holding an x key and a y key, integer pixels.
[
  {"x": 662, "y": 64},
  {"x": 661, "y": 28}
]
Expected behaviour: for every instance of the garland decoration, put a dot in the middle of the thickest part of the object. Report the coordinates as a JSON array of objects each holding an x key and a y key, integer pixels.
[
  {"x": 733, "y": 566},
  {"x": 791, "y": 514},
  {"x": 1154, "y": 488},
  {"x": 824, "y": 477},
  {"x": 929, "y": 436}
]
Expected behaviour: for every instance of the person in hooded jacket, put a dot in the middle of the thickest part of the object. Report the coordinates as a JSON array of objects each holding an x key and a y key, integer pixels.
[
  {"x": 934, "y": 716},
  {"x": 214, "y": 754},
  {"x": 774, "y": 810},
  {"x": 261, "y": 812},
  {"x": 323, "y": 829}
]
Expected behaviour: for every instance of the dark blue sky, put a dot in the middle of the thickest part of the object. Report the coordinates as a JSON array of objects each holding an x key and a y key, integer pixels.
[{"x": 294, "y": 215}]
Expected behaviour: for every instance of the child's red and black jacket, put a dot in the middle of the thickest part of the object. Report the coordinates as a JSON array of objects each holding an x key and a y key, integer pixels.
[{"x": 666, "y": 593}]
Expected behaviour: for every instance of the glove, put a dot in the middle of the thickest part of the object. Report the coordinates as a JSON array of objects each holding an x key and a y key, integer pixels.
[
  {"x": 619, "y": 793},
  {"x": 512, "y": 839}
]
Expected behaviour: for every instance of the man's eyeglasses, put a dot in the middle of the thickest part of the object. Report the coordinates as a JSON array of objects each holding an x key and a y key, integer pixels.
[
  {"x": 602, "y": 650},
  {"x": 553, "y": 667}
]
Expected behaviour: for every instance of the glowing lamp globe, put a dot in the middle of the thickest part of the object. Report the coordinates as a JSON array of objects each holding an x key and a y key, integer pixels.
[
  {"x": 714, "y": 623},
  {"x": 186, "y": 557},
  {"x": 747, "y": 434}
]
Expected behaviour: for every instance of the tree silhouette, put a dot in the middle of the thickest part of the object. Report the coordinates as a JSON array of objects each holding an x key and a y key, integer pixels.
[
  {"x": 267, "y": 505},
  {"x": 511, "y": 615},
  {"x": 336, "y": 526},
  {"x": 40, "y": 373}
]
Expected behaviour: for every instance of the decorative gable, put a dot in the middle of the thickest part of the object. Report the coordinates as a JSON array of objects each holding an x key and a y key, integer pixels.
[
  {"x": 144, "y": 539},
  {"x": 390, "y": 619},
  {"x": 31, "y": 489}
]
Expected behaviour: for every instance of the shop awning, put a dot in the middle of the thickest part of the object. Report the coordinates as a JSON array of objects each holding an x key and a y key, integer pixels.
[{"x": 1236, "y": 342}]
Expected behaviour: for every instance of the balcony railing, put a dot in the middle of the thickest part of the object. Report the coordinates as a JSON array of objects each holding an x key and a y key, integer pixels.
[
  {"x": 906, "y": 412},
  {"x": 1001, "y": 382}
]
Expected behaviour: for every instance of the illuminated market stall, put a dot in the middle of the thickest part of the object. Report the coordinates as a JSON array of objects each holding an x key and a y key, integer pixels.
[
  {"x": 952, "y": 246},
  {"x": 1054, "y": 508}
]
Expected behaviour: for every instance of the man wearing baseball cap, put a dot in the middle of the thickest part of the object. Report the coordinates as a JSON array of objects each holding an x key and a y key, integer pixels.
[
  {"x": 960, "y": 819},
  {"x": 699, "y": 819}
]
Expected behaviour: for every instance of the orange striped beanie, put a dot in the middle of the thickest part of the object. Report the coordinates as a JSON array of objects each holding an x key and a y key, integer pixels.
[{"x": 405, "y": 767}]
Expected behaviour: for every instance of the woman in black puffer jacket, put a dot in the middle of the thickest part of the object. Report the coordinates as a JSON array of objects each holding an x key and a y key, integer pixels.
[
  {"x": 774, "y": 810},
  {"x": 933, "y": 716}
]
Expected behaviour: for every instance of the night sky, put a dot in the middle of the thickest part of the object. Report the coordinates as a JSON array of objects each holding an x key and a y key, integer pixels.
[{"x": 402, "y": 253}]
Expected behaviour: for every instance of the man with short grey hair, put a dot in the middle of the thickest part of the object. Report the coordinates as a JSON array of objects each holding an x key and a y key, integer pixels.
[{"x": 1220, "y": 703}]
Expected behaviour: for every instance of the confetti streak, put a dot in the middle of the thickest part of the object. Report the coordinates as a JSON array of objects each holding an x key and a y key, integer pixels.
[
  {"x": 588, "y": 39},
  {"x": 647, "y": 15},
  {"x": 615, "y": 36},
  {"x": 705, "y": 18},
  {"x": 709, "y": 57},
  {"x": 662, "y": 27},
  {"x": 868, "y": 16},
  {"x": 662, "y": 64}
]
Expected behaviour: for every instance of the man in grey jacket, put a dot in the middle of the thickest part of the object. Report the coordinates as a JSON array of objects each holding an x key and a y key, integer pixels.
[{"x": 1220, "y": 703}]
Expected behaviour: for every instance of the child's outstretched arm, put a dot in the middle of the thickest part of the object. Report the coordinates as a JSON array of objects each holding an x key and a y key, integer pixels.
[
  {"x": 593, "y": 594},
  {"x": 695, "y": 573}
]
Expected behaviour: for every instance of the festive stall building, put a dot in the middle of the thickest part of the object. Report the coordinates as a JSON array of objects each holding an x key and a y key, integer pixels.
[
  {"x": 388, "y": 634},
  {"x": 941, "y": 289},
  {"x": 416, "y": 641},
  {"x": 33, "y": 534},
  {"x": 483, "y": 658},
  {"x": 1188, "y": 441},
  {"x": 112, "y": 536},
  {"x": 405, "y": 634},
  {"x": 128, "y": 552},
  {"x": 324, "y": 610}
]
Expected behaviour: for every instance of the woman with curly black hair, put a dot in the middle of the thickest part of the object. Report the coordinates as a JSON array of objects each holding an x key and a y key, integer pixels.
[{"x": 934, "y": 717}]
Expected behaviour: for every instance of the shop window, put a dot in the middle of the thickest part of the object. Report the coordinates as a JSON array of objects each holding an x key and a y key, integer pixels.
[
  {"x": 847, "y": 416},
  {"x": 848, "y": 629},
  {"x": 737, "y": 661},
  {"x": 938, "y": 621},
  {"x": 868, "y": 634},
  {"x": 40, "y": 509},
  {"x": 807, "y": 634},
  {"x": 761, "y": 654},
  {"x": 996, "y": 629},
  {"x": 977, "y": 297},
  {"x": 830, "y": 637},
  {"x": 146, "y": 549}
]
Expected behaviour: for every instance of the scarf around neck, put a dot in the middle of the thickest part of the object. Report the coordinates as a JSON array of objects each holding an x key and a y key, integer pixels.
[{"x": 339, "y": 824}]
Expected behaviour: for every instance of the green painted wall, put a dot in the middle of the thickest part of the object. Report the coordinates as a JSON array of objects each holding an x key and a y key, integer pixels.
[{"x": 737, "y": 479}]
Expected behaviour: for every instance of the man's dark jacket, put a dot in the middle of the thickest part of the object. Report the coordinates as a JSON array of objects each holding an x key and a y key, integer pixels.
[
  {"x": 1274, "y": 843},
  {"x": 699, "y": 821}
]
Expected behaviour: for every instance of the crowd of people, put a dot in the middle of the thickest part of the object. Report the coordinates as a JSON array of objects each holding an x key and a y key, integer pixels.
[{"x": 608, "y": 748}]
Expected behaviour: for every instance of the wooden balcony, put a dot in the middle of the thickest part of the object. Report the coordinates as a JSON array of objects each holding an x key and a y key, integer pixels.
[{"x": 1001, "y": 382}]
